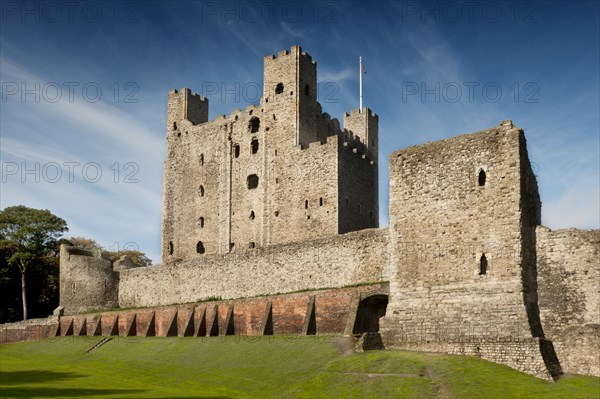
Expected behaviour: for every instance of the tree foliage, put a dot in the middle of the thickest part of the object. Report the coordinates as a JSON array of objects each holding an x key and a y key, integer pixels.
[{"x": 29, "y": 241}]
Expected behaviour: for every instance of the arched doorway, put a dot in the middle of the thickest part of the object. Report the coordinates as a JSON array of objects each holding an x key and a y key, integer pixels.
[{"x": 370, "y": 310}]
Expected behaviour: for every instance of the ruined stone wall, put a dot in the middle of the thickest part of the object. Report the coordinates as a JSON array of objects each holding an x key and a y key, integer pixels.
[
  {"x": 569, "y": 299},
  {"x": 452, "y": 202},
  {"x": 335, "y": 261},
  {"x": 87, "y": 280}
]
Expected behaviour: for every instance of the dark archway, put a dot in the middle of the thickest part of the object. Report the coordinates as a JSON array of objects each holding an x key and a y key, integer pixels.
[{"x": 369, "y": 311}]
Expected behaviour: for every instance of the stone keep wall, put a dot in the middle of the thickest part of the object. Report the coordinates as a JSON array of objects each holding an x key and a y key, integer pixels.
[
  {"x": 453, "y": 202},
  {"x": 87, "y": 280},
  {"x": 569, "y": 299},
  {"x": 358, "y": 173},
  {"x": 271, "y": 174},
  {"x": 337, "y": 261}
]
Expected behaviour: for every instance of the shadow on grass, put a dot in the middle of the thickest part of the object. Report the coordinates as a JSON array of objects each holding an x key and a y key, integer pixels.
[
  {"x": 35, "y": 377},
  {"x": 43, "y": 392}
]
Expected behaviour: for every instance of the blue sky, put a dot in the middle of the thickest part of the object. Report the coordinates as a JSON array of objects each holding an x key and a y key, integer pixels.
[{"x": 84, "y": 87}]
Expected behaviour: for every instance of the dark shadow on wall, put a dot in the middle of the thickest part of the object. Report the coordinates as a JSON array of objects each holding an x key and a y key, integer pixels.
[{"x": 530, "y": 218}]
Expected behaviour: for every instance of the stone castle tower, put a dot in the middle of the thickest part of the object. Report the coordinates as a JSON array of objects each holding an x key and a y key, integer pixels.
[
  {"x": 269, "y": 227},
  {"x": 277, "y": 172}
]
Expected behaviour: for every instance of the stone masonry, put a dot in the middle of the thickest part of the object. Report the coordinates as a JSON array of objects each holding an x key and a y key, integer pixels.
[{"x": 272, "y": 211}]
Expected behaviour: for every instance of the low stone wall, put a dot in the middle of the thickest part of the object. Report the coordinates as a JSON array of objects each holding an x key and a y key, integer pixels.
[
  {"x": 569, "y": 299},
  {"x": 306, "y": 313},
  {"x": 337, "y": 261},
  {"x": 28, "y": 330}
]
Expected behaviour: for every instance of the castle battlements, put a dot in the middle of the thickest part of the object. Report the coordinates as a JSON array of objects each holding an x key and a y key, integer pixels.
[{"x": 278, "y": 199}]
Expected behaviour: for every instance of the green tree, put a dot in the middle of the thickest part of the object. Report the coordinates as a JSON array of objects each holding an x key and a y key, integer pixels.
[{"x": 28, "y": 237}]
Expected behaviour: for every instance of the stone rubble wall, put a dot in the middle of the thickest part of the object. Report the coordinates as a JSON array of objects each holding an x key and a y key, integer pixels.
[
  {"x": 569, "y": 298},
  {"x": 337, "y": 261}
]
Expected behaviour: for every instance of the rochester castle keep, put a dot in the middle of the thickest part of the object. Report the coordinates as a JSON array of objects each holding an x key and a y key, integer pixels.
[{"x": 270, "y": 226}]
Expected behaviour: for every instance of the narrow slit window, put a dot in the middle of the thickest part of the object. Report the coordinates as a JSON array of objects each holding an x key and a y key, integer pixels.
[
  {"x": 201, "y": 159},
  {"x": 306, "y": 90},
  {"x": 305, "y": 204},
  {"x": 252, "y": 215},
  {"x": 201, "y": 191},
  {"x": 236, "y": 151},
  {"x": 483, "y": 265},
  {"x": 201, "y": 222},
  {"x": 321, "y": 201},
  {"x": 482, "y": 178},
  {"x": 174, "y": 125},
  {"x": 254, "y": 146},
  {"x": 170, "y": 247}
]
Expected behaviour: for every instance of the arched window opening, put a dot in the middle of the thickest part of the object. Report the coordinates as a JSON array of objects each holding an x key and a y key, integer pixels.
[
  {"x": 254, "y": 146},
  {"x": 201, "y": 222},
  {"x": 252, "y": 215},
  {"x": 320, "y": 201},
  {"x": 306, "y": 90},
  {"x": 201, "y": 191},
  {"x": 200, "y": 248},
  {"x": 252, "y": 182},
  {"x": 482, "y": 177},
  {"x": 252, "y": 245},
  {"x": 279, "y": 88},
  {"x": 254, "y": 124},
  {"x": 170, "y": 247},
  {"x": 483, "y": 265},
  {"x": 305, "y": 204},
  {"x": 236, "y": 151}
]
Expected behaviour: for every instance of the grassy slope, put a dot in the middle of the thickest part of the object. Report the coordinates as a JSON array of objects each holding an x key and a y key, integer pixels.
[{"x": 260, "y": 367}]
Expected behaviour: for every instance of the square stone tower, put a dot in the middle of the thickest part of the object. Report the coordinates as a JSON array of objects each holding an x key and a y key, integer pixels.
[{"x": 277, "y": 172}]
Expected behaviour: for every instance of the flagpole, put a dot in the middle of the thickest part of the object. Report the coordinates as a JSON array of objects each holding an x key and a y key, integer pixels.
[{"x": 360, "y": 71}]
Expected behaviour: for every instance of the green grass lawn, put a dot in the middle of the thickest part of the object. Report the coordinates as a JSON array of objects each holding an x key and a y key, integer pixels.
[{"x": 265, "y": 367}]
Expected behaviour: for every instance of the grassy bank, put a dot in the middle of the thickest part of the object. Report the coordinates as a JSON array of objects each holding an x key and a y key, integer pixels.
[{"x": 233, "y": 367}]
